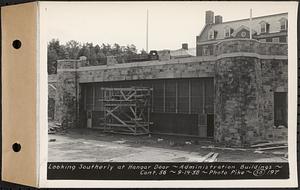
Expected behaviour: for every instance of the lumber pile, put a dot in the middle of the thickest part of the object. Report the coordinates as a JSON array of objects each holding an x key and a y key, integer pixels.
[{"x": 276, "y": 148}]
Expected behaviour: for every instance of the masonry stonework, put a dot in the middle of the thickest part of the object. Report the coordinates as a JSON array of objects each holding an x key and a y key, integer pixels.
[
  {"x": 246, "y": 75},
  {"x": 66, "y": 102}
]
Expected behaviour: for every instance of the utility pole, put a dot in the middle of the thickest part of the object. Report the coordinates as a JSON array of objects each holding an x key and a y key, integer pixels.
[{"x": 147, "y": 22}]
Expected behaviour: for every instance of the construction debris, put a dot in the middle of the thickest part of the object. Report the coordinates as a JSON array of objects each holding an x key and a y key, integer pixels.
[
  {"x": 53, "y": 128},
  {"x": 258, "y": 151},
  {"x": 159, "y": 139},
  {"x": 279, "y": 153},
  {"x": 223, "y": 148},
  {"x": 119, "y": 142},
  {"x": 209, "y": 146}
]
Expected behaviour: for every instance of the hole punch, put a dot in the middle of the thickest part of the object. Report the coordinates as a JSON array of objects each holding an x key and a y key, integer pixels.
[
  {"x": 16, "y": 147},
  {"x": 17, "y": 44}
]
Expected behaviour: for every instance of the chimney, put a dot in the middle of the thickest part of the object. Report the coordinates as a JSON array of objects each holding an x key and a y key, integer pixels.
[
  {"x": 218, "y": 19},
  {"x": 209, "y": 17},
  {"x": 185, "y": 46}
]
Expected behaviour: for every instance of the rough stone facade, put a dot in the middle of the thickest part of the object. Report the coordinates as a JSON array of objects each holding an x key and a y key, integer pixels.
[
  {"x": 52, "y": 81},
  {"x": 183, "y": 68},
  {"x": 246, "y": 75},
  {"x": 244, "y": 87},
  {"x": 66, "y": 101}
]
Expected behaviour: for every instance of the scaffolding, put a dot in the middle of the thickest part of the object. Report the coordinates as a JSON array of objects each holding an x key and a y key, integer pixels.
[{"x": 127, "y": 110}]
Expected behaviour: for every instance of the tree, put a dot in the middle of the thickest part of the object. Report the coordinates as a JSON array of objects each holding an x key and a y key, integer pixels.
[
  {"x": 96, "y": 54},
  {"x": 73, "y": 47},
  {"x": 55, "y": 52}
]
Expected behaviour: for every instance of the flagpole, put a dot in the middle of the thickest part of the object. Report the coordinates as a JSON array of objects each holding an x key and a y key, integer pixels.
[
  {"x": 147, "y": 31},
  {"x": 250, "y": 25}
]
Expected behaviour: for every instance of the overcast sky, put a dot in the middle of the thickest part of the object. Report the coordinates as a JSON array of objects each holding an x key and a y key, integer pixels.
[{"x": 170, "y": 23}]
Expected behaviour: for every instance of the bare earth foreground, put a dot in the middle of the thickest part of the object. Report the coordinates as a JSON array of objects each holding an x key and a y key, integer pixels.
[{"x": 83, "y": 145}]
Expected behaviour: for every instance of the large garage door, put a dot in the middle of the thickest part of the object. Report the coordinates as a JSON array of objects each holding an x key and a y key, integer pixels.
[{"x": 179, "y": 106}]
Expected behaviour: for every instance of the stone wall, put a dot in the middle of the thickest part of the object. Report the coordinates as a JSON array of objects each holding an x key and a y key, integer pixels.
[
  {"x": 242, "y": 45},
  {"x": 244, "y": 87},
  {"x": 237, "y": 87},
  {"x": 67, "y": 93},
  {"x": 193, "y": 69},
  {"x": 250, "y": 46},
  {"x": 247, "y": 73},
  {"x": 52, "y": 79}
]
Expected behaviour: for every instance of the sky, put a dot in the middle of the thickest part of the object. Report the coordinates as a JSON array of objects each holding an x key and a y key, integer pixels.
[{"x": 170, "y": 23}]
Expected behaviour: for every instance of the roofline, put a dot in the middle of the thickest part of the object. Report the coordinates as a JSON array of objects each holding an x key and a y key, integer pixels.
[{"x": 249, "y": 18}]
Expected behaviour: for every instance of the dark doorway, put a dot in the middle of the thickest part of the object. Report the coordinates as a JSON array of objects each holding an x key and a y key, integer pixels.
[
  {"x": 210, "y": 125},
  {"x": 280, "y": 109},
  {"x": 51, "y": 108}
]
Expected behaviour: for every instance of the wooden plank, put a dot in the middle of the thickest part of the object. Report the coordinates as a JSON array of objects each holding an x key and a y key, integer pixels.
[
  {"x": 205, "y": 157},
  {"x": 269, "y": 143},
  {"x": 272, "y": 148},
  {"x": 213, "y": 158}
]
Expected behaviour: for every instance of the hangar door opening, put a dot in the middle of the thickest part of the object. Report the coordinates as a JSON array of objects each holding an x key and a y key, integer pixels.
[{"x": 178, "y": 106}]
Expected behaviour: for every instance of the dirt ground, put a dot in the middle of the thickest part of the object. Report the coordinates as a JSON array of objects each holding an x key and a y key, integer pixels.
[{"x": 86, "y": 145}]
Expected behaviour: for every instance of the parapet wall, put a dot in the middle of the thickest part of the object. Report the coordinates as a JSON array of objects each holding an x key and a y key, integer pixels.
[
  {"x": 250, "y": 46},
  {"x": 242, "y": 46}
]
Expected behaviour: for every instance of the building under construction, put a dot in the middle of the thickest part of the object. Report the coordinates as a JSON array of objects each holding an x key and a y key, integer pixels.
[{"x": 234, "y": 91}]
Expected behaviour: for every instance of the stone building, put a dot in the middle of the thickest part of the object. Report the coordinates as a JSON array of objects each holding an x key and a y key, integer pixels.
[{"x": 234, "y": 91}]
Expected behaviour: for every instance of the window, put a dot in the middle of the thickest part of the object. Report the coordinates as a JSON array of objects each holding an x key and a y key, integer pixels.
[
  {"x": 283, "y": 24},
  {"x": 276, "y": 40},
  {"x": 205, "y": 51},
  {"x": 211, "y": 35},
  {"x": 264, "y": 27},
  {"x": 280, "y": 109},
  {"x": 269, "y": 39},
  {"x": 282, "y": 39},
  {"x": 243, "y": 34},
  {"x": 227, "y": 32},
  {"x": 262, "y": 40}
]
